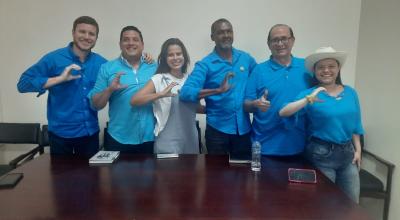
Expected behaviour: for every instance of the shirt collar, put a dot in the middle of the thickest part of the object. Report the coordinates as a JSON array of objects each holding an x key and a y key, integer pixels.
[
  {"x": 276, "y": 66},
  {"x": 125, "y": 61},
  {"x": 215, "y": 57},
  {"x": 73, "y": 55}
]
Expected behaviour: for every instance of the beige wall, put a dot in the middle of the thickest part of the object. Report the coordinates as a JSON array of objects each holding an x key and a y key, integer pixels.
[
  {"x": 29, "y": 29},
  {"x": 377, "y": 81}
]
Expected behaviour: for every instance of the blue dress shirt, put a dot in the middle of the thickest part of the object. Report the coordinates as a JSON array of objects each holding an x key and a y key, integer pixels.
[
  {"x": 224, "y": 112},
  {"x": 127, "y": 125},
  {"x": 68, "y": 110},
  {"x": 278, "y": 136},
  {"x": 334, "y": 119}
]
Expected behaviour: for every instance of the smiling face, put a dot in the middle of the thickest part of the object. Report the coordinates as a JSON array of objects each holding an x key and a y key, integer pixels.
[
  {"x": 131, "y": 44},
  {"x": 326, "y": 71},
  {"x": 223, "y": 36},
  {"x": 84, "y": 37},
  {"x": 280, "y": 42},
  {"x": 175, "y": 59}
]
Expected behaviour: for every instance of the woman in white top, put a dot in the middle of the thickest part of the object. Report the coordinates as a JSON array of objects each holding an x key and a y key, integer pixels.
[{"x": 175, "y": 128}]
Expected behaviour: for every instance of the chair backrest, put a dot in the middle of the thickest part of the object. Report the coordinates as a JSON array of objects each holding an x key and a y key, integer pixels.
[
  {"x": 44, "y": 137},
  {"x": 19, "y": 133}
]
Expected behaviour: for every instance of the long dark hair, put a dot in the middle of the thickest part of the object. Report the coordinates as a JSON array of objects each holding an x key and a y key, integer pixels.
[{"x": 162, "y": 58}]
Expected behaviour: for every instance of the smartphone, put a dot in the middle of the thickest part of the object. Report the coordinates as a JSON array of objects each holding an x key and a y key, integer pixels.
[
  {"x": 10, "y": 180},
  {"x": 302, "y": 175}
]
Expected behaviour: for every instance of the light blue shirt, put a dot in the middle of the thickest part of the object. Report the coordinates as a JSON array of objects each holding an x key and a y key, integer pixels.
[
  {"x": 278, "y": 136},
  {"x": 127, "y": 125},
  {"x": 224, "y": 112},
  {"x": 334, "y": 119},
  {"x": 68, "y": 109}
]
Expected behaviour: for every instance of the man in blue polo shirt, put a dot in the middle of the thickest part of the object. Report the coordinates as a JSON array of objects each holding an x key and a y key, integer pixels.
[
  {"x": 221, "y": 79},
  {"x": 130, "y": 129},
  {"x": 272, "y": 84},
  {"x": 69, "y": 74}
]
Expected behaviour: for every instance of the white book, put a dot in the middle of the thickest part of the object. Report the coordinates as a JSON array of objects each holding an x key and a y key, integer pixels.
[
  {"x": 104, "y": 156},
  {"x": 239, "y": 158},
  {"x": 166, "y": 156}
]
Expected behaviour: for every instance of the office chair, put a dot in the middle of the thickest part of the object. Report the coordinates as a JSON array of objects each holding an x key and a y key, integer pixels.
[
  {"x": 44, "y": 139},
  {"x": 19, "y": 133},
  {"x": 371, "y": 186},
  {"x": 199, "y": 136}
]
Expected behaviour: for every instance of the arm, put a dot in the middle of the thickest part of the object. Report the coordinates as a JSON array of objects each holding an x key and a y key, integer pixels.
[
  {"x": 253, "y": 105},
  {"x": 201, "y": 109},
  {"x": 99, "y": 100},
  {"x": 293, "y": 107},
  {"x": 36, "y": 78},
  {"x": 148, "y": 94},
  {"x": 225, "y": 86},
  {"x": 357, "y": 150},
  {"x": 65, "y": 76},
  {"x": 296, "y": 106}
]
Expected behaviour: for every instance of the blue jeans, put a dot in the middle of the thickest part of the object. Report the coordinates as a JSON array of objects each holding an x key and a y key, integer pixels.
[
  {"x": 335, "y": 161},
  {"x": 85, "y": 146},
  {"x": 221, "y": 143}
]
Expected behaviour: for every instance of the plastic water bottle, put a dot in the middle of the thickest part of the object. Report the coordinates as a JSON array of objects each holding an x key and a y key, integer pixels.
[{"x": 256, "y": 156}]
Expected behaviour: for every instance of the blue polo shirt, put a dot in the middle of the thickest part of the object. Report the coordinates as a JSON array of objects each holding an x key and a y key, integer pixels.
[
  {"x": 334, "y": 119},
  {"x": 127, "y": 125},
  {"x": 224, "y": 112},
  {"x": 278, "y": 136},
  {"x": 68, "y": 110}
]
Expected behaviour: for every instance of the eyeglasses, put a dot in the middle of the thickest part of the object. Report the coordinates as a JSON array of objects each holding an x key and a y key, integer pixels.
[{"x": 283, "y": 40}]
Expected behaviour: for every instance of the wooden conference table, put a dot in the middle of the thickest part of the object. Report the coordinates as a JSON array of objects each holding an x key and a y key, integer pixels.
[{"x": 189, "y": 187}]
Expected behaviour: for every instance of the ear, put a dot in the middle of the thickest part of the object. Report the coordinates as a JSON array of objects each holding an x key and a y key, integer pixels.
[{"x": 212, "y": 37}]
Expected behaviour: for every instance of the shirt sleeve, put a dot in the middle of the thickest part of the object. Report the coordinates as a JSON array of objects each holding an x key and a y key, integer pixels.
[
  {"x": 34, "y": 78},
  {"x": 251, "y": 86},
  {"x": 358, "y": 122},
  {"x": 100, "y": 85},
  {"x": 195, "y": 82}
]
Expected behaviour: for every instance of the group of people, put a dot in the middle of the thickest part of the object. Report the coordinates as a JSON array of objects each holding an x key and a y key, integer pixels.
[{"x": 300, "y": 106}]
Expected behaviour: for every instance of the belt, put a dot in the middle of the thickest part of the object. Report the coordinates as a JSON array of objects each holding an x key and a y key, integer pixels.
[{"x": 328, "y": 143}]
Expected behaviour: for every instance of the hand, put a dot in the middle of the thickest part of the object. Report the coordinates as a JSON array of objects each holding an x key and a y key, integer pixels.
[
  {"x": 167, "y": 91},
  {"x": 357, "y": 159},
  {"x": 262, "y": 103},
  {"x": 66, "y": 75},
  {"x": 225, "y": 86},
  {"x": 148, "y": 58},
  {"x": 313, "y": 96},
  {"x": 318, "y": 90},
  {"x": 115, "y": 84}
]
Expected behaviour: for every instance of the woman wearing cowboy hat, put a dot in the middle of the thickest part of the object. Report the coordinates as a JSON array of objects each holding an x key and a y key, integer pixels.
[{"x": 333, "y": 113}]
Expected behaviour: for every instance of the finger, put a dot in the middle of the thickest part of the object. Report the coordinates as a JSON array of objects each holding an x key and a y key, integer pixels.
[
  {"x": 74, "y": 66},
  {"x": 230, "y": 75},
  {"x": 265, "y": 95},
  {"x": 119, "y": 74},
  {"x": 76, "y": 77}
]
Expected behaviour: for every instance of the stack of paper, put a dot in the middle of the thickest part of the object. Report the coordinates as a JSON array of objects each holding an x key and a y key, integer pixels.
[{"x": 104, "y": 157}]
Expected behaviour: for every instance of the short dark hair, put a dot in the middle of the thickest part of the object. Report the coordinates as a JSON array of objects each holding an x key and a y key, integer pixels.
[
  {"x": 280, "y": 25},
  {"x": 217, "y": 22},
  {"x": 86, "y": 20},
  {"x": 162, "y": 58},
  {"x": 130, "y": 28}
]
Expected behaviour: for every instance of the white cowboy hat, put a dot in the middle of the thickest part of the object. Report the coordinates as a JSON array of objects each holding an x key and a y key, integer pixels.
[{"x": 324, "y": 53}]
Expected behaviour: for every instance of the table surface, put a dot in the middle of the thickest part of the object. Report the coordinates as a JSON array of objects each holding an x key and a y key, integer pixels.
[{"x": 189, "y": 187}]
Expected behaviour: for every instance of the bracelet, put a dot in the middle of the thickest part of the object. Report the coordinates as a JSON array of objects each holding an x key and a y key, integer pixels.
[{"x": 310, "y": 99}]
